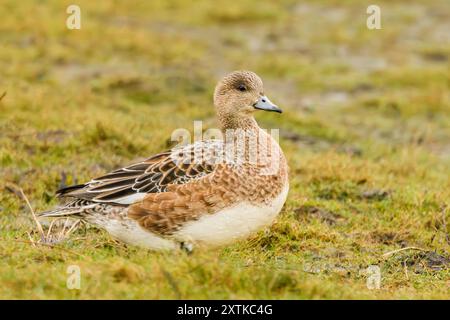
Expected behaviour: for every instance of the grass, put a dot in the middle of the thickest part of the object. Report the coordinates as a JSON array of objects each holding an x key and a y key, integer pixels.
[{"x": 366, "y": 133}]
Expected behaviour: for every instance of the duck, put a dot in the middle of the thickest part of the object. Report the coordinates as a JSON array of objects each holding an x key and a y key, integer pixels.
[{"x": 208, "y": 193}]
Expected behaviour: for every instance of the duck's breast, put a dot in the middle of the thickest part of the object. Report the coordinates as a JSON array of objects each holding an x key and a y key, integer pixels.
[{"x": 232, "y": 223}]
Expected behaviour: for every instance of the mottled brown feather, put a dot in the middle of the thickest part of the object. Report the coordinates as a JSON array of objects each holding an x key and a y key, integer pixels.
[{"x": 165, "y": 213}]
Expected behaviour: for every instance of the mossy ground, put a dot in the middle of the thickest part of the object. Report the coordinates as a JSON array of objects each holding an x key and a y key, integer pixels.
[{"x": 365, "y": 130}]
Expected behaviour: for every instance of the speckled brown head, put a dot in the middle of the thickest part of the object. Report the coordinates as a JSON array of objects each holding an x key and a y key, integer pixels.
[{"x": 237, "y": 96}]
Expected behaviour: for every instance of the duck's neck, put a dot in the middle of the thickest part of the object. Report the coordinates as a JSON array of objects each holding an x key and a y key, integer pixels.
[
  {"x": 249, "y": 142},
  {"x": 232, "y": 122}
]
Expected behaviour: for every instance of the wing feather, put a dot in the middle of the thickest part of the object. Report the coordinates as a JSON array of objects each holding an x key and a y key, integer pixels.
[{"x": 127, "y": 185}]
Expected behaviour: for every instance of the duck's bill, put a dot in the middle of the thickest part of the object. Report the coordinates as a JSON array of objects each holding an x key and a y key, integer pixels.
[{"x": 265, "y": 104}]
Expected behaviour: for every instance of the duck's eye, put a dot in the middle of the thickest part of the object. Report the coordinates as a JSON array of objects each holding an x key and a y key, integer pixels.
[{"x": 242, "y": 87}]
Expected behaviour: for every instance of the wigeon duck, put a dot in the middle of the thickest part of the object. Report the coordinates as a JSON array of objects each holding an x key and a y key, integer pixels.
[{"x": 211, "y": 192}]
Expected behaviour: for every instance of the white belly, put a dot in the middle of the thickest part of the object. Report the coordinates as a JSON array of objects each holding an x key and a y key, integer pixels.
[
  {"x": 129, "y": 231},
  {"x": 231, "y": 224}
]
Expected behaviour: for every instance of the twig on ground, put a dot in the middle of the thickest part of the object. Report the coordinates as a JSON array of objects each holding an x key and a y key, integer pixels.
[
  {"x": 38, "y": 224},
  {"x": 405, "y": 268},
  {"x": 387, "y": 254},
  {"x": 45, "y": 239},
  {"x": 31, "y": 239}
]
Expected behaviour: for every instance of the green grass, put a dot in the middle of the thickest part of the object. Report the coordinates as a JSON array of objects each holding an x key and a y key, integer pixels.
[{"x": 366, "y": 133}]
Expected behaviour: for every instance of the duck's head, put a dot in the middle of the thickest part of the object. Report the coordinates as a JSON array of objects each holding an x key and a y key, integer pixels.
[{"x": 237, "y": 96}]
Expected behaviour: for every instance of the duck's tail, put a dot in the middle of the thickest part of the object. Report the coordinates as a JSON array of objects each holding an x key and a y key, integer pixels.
[{"x": 72, "y": 208}]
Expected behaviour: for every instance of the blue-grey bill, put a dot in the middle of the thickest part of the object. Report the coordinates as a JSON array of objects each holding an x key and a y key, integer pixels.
[{"x": 265, "y": 104}]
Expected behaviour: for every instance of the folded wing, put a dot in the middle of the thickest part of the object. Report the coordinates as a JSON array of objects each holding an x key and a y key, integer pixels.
[{"x": 130, "y": 184}]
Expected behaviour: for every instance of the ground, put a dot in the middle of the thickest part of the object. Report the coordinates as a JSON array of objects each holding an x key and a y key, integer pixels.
[{"x": 365, "y": 131}]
